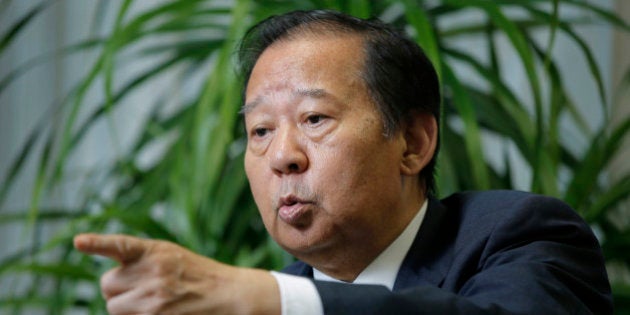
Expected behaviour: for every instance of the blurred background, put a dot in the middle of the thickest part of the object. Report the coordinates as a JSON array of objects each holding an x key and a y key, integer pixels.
[{"x": 121, "y": 116}]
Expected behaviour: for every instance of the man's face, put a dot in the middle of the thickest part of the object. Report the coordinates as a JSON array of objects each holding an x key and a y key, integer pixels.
[{"x": 322, "y": 172}]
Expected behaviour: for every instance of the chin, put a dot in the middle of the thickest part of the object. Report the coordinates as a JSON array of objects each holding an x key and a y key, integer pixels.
[{"x": 302, "y": 243}]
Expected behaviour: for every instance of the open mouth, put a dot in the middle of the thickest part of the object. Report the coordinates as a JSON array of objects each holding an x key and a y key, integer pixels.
[
  {"x": 294, "y": 211},
  {"x": 290, "y": 200}
]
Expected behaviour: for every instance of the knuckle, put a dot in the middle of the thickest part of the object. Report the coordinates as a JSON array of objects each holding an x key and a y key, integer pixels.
[
  {"x": 159, "y": 301},
  {"x": 111, "y": 309},
  {"x": 153, "y": 308},
  {"x": 162, "y": 246},
  {"x": 108, "y": 279},
  {"x": 167, "y": 262},
  {"x": 162, "y": 269},
  {"x": 160, "y": 289}
]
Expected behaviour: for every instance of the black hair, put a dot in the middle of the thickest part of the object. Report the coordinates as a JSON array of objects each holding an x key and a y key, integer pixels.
[{"x": 399, "y": 77}]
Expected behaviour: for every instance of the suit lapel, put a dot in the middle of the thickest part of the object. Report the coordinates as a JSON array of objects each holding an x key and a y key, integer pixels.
[
  {"x": 429, "y": 257},
  {"x": 431, "y": 253}
]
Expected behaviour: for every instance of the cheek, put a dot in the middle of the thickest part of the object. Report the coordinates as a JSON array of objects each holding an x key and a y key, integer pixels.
[
  {"x": 355, "y": 168},
  {"x": 257, "y": 182}
]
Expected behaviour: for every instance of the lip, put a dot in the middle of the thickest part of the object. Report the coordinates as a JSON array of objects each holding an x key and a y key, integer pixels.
[{"x": 294, "y": 211}]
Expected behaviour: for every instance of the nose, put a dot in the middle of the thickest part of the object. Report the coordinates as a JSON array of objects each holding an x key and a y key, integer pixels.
[{"x": 286, "y": 153}]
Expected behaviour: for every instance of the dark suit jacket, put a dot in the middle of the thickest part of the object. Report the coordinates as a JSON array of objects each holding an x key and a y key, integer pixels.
[{"x": 496, "y": 252}]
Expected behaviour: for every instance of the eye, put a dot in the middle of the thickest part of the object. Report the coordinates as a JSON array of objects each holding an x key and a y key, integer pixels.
[
  {"x": 260, "y": 132},
  {"x": 315, "y": 118}
]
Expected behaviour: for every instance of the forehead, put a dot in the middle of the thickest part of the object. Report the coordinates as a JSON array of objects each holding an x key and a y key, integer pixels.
[
  {"x": 333, "y": 63},
  {"x": 314, "y": 44}
]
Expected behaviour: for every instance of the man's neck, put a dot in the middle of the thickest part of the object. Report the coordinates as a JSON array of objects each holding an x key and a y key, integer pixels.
[
  {"x": 384, "y": 269},
  {"x": 347, "y": 262}
]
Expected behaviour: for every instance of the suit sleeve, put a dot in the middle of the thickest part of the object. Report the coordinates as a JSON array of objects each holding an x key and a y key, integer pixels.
[{"x": 538, "y": 257}]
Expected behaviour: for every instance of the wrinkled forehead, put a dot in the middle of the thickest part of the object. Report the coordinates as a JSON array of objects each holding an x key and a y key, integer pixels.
[
  {"x": 320, "y": 31},
  {"x": 314, "y": 67},
  {"x": 313, "y": 58},
  {"x": 324, "y": 38}
]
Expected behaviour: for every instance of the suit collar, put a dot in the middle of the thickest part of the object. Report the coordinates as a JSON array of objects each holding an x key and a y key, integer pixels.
[
  {"x": 430, "y": 255},
  {"x": 428, "y": 259}
]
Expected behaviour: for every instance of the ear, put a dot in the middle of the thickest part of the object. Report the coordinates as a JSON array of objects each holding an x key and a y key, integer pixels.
[{"x": 420, "y": 135}]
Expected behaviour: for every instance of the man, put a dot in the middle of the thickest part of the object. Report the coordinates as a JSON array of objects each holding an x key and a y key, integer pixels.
[{"x": 342, "y": 122}]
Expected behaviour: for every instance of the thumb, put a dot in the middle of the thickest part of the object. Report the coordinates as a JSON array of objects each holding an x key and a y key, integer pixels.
[{"x": 122, "y": 248}]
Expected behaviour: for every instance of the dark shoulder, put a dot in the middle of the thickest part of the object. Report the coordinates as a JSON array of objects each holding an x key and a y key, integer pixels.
[
  {"x": 517, "y": 216},
  {"x": 500, "y": 203}
]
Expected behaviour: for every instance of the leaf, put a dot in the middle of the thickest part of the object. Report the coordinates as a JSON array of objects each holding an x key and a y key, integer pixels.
[
  {"x": 608, "y": 16},
  {"x": 609, "y": 199},
  {"x": 24, "y": 68},
  {"x": 17, "y": 165},
  {"x": 141, "y": 222},
  {"x": 359, "y": 8},
  {"x": 424, "y": 35},
  {"x": 592, "y": 64},
  {"x": 502, "y": 112},
  {"x": 621, "y": 297},
  {"x": 7, "y": 38},
  {"x": 603, "y": 14},
  {"x": 44, "y": 215},
  {"x": 472, "y": 136},
  {"x": 62, "y": 270},
  {"x": 601, "y": 150}
]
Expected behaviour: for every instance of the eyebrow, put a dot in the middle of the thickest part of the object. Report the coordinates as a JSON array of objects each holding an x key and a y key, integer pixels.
[
  {"x": 313, "y": 93},
  {"x": 248, "y": 107},
  {"x": 310, "y": 93}
]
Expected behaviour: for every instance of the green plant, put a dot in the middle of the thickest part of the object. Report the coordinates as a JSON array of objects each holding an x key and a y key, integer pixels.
[{"x": 195, "y": 191}]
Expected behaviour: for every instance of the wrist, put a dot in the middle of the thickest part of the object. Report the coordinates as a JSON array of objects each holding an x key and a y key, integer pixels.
[{"x": 260, "y": 293}]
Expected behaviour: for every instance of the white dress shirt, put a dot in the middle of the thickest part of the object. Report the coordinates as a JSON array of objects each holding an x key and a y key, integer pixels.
[{"x": 299, "y": 295}]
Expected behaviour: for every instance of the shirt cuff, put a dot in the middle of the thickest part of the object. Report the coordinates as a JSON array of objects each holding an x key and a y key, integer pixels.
[{"x": 298, "y": 295}]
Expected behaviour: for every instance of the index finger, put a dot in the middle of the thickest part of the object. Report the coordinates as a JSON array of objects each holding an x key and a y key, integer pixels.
[{"x": 122, "y": 248}]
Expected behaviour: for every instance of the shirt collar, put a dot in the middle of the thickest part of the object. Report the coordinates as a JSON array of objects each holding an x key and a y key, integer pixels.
[{"x": 384, "y": 269}]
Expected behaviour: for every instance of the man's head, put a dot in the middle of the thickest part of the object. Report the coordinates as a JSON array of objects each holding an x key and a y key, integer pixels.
[
  {"x": 399, "y": 76},
  {"x": 341, "y": 116}
]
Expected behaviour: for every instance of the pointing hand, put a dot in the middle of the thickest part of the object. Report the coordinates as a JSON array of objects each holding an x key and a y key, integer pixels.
[{"x": 162, "y": 277}]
